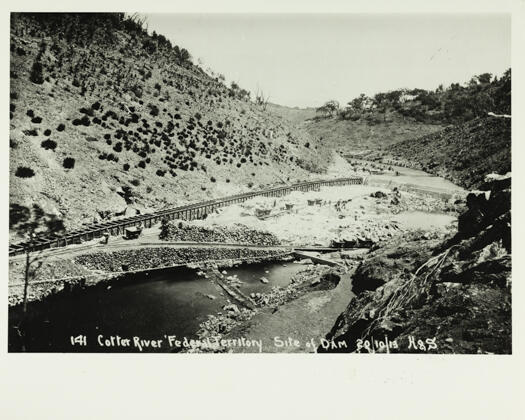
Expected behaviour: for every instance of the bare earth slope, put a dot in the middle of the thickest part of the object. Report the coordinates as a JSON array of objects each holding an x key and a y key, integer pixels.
[{"x": 145, "y": 128}]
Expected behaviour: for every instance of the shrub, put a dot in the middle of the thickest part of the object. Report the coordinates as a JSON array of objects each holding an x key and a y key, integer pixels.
[
  {"x": 30, "y": 113},
  {"x": 36, "y": 75},
  {"x": 24, "y": 172},
  {"x": 126, "y": 166},
  {"x": 61, "y": 127},
  {"x": 135, "y": 182},
  {"x": 160, "y": 172},
  {"x": 49, "y": 144},
  {"x": 47, "y": 132},
  {"x": 154, "y": 110},
  {"x": 87, "y": 111},
  {"x": 36, "y": 120},
  {"x": 69, "y": 163},
  {"x": 142, "y": 164}
]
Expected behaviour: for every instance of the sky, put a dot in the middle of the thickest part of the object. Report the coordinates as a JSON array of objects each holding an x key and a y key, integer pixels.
[{"x": 305, "y": 60}]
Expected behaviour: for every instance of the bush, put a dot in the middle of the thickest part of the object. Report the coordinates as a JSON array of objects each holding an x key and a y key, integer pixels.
[
  {"x": 135, "y": 182},
  {"x": 36, "y": 120},
  {"x": 36, "y": 75},
  {"x": 24, "y": 172},
  {"x": 69, "y": 163},
  {"x": 49, "y": 144},
  {"x": 154, "y": 110},
  {"x": 61, "y": 127},
  {"x": 126, "y": 166},
  {"x": 33, "y": 132}
]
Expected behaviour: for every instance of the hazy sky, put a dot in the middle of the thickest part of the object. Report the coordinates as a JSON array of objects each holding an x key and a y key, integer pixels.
[{"x": 304, "y": 60}]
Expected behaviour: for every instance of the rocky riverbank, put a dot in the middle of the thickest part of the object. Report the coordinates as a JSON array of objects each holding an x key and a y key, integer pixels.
[
  {"x": 435, "y": 295},
  {"x": 229, "y": 323}
]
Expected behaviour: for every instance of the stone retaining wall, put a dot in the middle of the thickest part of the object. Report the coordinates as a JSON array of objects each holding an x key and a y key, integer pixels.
[{"x": 152, "y": 258}]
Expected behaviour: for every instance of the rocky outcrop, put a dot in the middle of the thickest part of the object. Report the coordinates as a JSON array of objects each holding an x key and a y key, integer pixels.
[{"x": 451, "y": 296}]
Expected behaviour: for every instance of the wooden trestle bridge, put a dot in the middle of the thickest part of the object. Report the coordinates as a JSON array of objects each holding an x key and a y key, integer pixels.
[{"x": 187, "y": 212}]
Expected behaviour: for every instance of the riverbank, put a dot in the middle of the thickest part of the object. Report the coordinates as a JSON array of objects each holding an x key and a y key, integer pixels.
[{"x": 300, "y": 311}]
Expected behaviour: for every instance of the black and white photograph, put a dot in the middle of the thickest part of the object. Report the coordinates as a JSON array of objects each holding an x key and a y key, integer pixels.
[{"x": 260, "y": 183}]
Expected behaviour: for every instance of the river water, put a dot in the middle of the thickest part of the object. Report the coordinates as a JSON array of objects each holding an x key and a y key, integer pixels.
[{"x": 168, "y": 302}]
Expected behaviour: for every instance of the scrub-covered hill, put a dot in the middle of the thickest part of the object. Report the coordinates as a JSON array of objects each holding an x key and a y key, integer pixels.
[
  {"x": 106, "y": 118},
  {"x": 465, "y": 153}
]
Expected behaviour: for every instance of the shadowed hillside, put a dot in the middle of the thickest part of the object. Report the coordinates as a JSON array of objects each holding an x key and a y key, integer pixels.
[
  {"x": 464, "y": 153},
  {"x": 106, "y": 118}
]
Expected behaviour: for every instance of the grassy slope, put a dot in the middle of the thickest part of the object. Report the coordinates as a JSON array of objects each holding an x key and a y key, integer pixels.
[
  {"x": 351, "y": 136},
  {"x": 464, "y": 153},
  {"x": 234, "y": 146}
]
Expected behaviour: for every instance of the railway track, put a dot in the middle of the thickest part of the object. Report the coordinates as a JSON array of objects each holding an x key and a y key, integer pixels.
[{"x": 187, "y": 212}]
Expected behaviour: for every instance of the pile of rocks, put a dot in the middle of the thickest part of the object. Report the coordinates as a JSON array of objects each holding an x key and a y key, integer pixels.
[
  {"x": 181, "y": 231},
  {"x": 147, "y": 258}
]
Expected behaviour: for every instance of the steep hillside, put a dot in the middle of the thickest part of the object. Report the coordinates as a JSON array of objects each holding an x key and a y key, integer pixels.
[
  {"x": 107, "y": 119},
  {"x": 464, "y": 153}
]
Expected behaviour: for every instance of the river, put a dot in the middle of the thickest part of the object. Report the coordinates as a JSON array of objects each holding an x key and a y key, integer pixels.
[{"x": 170, "y": 302}]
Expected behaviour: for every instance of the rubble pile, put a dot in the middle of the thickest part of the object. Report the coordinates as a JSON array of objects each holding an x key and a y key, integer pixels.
[
  {"x": 238, "y": 233},
  {"x": 147, "y": 258}
]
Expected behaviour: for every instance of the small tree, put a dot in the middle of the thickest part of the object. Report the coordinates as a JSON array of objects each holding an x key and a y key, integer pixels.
[
  {"x": 29, "y": 223},
  {"x": 329, "y": 109}
]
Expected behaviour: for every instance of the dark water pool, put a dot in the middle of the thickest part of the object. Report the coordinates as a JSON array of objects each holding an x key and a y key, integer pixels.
[{"x": 170, "y": 302}]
